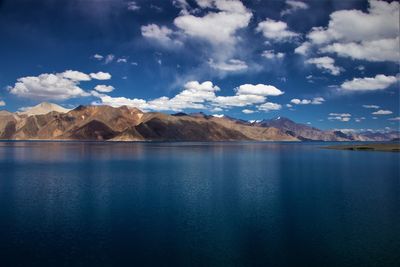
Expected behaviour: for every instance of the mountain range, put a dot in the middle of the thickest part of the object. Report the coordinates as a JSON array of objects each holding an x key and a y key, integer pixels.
[{"x": 48, "y": 121}]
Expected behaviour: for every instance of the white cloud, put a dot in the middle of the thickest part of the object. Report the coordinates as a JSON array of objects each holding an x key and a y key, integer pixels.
[
  {"x": 232, "y": 65},
  {"x": 248, "y": 111},
  {"x": 2, "y": 103},
  {"x": 98, "y": 56},
  {"x": 318, "y": 101},
  {"x": 47, "y": 87},
  {"x": 217, "y": 23},
  {"x": 153, "y": 31},
  {"x": 382, "y": 112},
  {"x": 109, "y": 59},
  {"x": 269, "y": 106},
  {"x": 381, "y": 22},
  {"x": 133, "y": 6},
  {"x": 270, "y": 54},
  {"x": 303, "y": 49},
  {"x": 293, "y": 6},
  {"x": 377, "y": 50},
  {"x": 238, "y": 100},
  {"x": 122, "y": 60},
  {"x": 197, "y": 95},
  {"x": 258, "y": 89},
  {"x": 100, "y": 75},
  {"x": 370, "y": 36},
  {"x": 314, "y": 101},
  {"x": 379, "y": 82},
  {"x": 275, "y": 30},
  {"x": 371, "y": 106},
  {"x": 340, "y": 114},
  {"x": 216, "y": 109},
  {"x": 193, "y": 96},
  {"x": 104, "y": 88},
  {"x": 120, "y": 101},
  {"x": 76, "y": 75},
  {"x": 344, "y": 117},
  {"x": 394, "y": 119},
  {"x": 297, "y": 101},
  {"x": 325, "y": 63},
  {"x": 217, "y": 27}
]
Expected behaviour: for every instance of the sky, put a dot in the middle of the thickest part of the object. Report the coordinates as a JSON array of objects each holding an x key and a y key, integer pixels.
[{"x": 331, "y": 64}]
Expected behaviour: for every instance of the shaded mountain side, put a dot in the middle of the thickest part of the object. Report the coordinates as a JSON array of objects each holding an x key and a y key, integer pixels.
[
  {"x": 187, "y": 130},
  {"x": 8, "y": 124},
  {"x": 131, "y": 124},
  {"x": 94, "y": 130}
]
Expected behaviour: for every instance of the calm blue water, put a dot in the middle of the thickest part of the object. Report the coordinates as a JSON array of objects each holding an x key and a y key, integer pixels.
[{"x": 197, "y": 204}]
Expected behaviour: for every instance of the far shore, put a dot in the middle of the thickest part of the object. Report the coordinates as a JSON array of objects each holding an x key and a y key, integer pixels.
[{"x": 392, "y": 147}]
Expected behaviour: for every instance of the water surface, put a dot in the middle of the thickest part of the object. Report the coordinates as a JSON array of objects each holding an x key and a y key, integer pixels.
[{"x": 197, "y": 204}]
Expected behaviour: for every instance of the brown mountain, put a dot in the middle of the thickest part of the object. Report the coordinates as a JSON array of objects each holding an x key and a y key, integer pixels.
[{"x": 131, "y": 124}]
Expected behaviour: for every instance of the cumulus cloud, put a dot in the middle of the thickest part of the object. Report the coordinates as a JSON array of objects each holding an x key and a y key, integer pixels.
[
  {"x": 325, "y": 63},
  {"x": 238, "y": 100},
  {"x": 98, "y": 56},
  {"x": 197, "y": 95},
  {"x": 248, "y": 111},
  {"x": 293, "y": 6},
  {"x": 217, "y": 23},
  {"x": 120, "y": 101},
  {"x": 382, "y": 112},
  {"x": 122, "y": 60},
  {"x": 371, "y": 106},
  {"x": 232, "y": 65},
  {"x": 133, "y": 6},
  {"x": 376, "y": 50},
  {"x": 275, "y": 30},
  {"x": 57, "y": 86},
  {"x": 47, "y": 87},
  {"x": 217, "y": 27},
  {"x": 370, "y": 36},
  {"x": 104, "y": 88},
  {"x": 159, "y": 33},
  {"x": 344, "y": 117},
  {"x": 303, "y": 49},
  {"x": 100, "y": 75},
  {"x": 2, "y": 103},
  {"x": 269, "y": 106},
  {"x": 379, "y": 82},
  {"x": 314, "y": 101},
  {"x": 76, "y": 75},
  {"x": 270, "y": 54},
  {"x": 258, "y": 89}
]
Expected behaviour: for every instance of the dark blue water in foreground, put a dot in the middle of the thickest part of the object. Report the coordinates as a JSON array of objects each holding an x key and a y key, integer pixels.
[{"x": 197, "y": 204}]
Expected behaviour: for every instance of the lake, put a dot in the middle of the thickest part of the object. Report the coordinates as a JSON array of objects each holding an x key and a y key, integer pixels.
[{"x": 197, "y": 204}]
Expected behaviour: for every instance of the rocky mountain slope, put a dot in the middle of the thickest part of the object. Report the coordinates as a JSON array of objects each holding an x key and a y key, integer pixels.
[{"x": 131, "y": 124}]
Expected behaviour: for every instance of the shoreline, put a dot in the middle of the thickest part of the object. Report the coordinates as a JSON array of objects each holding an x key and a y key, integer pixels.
[{"x": 381, "y": 147}]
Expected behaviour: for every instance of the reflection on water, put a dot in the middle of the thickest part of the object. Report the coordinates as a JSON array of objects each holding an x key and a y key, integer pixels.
[{"x": 206, "y": 204}]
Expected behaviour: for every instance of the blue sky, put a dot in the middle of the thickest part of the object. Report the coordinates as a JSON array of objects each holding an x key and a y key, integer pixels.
[{"x": 333, "y": 64}]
